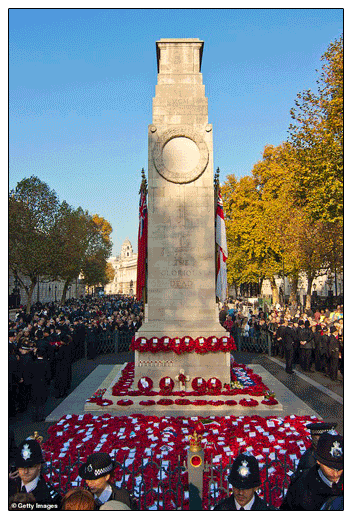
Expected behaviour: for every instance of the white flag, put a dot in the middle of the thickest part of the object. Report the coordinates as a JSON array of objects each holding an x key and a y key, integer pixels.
[{"x": 222, "y": 251}]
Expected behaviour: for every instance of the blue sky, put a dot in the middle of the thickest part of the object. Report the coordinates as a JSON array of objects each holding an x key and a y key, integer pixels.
[{"x": 81, "y": 83}]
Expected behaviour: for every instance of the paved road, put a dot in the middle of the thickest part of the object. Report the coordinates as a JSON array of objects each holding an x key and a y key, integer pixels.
[{"x": 322, "y": 395}]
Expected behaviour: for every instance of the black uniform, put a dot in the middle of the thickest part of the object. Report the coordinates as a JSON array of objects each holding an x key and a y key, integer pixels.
[
  {"x": 279, "y": 337},
  {"x": 63, "y": 371},
  {"x": 13, "y": 381},
  {"x": 306, "y": 335},
  {"x": 324, "y": 353},
  {"x": 334, "y": 348},
  {"x": 40, "y": 387},
  {"x": 44, "y": 493},
  {"x": 25, "y": 363},
  {"x": 229, "y": 504},
  {"x": 306, "y": 461},
  {"x": 290, "y": 338},
  {"x": 317, "y": 343},
  {"x": 310, "y": 492},
  {"x": 119, "y": 494}
]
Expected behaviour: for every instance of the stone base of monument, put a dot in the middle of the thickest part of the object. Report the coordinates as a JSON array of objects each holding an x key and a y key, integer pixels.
[
  {"x": 138, "y": 404},
  {"x": 192, "y": 365}
]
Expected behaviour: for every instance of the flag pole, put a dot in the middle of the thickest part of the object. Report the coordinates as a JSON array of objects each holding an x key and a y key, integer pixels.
[
  {"x": 142, "y": 244},
  {"x": 216, "y": 191}
]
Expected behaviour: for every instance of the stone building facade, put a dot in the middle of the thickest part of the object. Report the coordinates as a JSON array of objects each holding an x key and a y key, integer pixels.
[
  {"x": 125, "y": 267},
  {"x": 45, "y": 290}
]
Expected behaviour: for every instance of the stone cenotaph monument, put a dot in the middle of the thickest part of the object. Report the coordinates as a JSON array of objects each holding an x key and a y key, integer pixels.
[{"x": 181, "y": 299}]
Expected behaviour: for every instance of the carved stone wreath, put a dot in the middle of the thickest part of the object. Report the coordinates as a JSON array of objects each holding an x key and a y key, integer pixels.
[{"x": 180, "y": 177}]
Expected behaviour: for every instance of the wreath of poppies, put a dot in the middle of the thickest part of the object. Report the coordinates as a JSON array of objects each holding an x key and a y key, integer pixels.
[
  {"x": 182, "y": 345},
  {"x": 124, "y": 402},
  {"x": 248, "y": 403},
  {"x": 166, "y": 385},
  {"x": 165, "y": 401},
  {"x": 199, "y": 385},
  {"x": 269, "y": 401},
  {"x": 214, "y": 385},
  {"x": 145, "y": 384}
]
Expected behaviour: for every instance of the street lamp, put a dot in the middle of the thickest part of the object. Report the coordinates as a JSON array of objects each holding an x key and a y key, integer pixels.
[{"x": 55, "y": 291}]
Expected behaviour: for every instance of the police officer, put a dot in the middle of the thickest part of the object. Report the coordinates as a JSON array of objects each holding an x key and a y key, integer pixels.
[
  {"x": 308, "y": 459},
  {"x": 29, "y": 461},
  {"x": 97, "y": 472},
  {"x": 245, "y": 480},
  {"x": 322, "y": 481}
]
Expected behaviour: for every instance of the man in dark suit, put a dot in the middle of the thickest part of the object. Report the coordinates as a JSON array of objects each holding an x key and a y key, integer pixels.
[
  {"x": 279, "y": 337},
  {"x": 245, "y": 480},
  {"x": 289, "y": 342},
  {"x": 334, "y": 353}
]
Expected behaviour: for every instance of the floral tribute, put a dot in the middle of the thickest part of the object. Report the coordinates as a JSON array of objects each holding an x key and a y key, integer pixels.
[
  {"x": 166, "y": 385},
  {"x": 98, "y": 398},
  {"x": 200, "y": 345},
  {"x": 136, "y": 439},
  {"x": 243, "y": 382}
]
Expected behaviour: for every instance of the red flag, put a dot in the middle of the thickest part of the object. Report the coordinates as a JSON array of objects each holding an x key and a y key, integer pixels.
[
  {"x": 142, "y": 244},
  {"x": 222, "y": 251}
]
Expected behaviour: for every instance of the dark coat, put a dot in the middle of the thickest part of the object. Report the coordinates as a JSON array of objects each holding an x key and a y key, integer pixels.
[
  {"x": 333, "y": 347},
  {"x": 40, "y": 378},
  {"x": 120, "y": 494},
  {"x": 44, "y": 493},
  {"x": 306, "y": 335},
  {"x": 229, "y": 504},
  {"x": 63, "y": 371},
  {"x": 289, "y": 338},
  {"x": 25, "y": 364},
  {"x": 306, "y": 461},
  {"x": 309, "y": 492},
  {"x": 324, "y": 345}
]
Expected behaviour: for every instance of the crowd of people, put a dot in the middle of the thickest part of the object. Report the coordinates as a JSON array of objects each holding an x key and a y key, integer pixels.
[
  {"x": 317, "y": 483},
  {"x": 313, "y": 339},
  {"x": 44, "y": 343}
]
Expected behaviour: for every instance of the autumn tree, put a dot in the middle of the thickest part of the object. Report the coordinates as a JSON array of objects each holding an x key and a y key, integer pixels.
[
  {"x": 70, "y": 240},
  {"x": 109, "y": 272},
  {"x": 317, "y": 138},
  {"x": 33, "y": 209},
  {"x": 99, "y": 249},
  {"x": 53, "y": 240},
  {"x": 269, "y": 235}
]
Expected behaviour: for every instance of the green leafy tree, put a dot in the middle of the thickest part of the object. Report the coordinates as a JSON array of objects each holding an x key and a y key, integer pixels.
[{"x": 33, "y": 209}]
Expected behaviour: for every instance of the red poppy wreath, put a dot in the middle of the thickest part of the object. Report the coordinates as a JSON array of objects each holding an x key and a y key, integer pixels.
[
  {"x": 214, "y": 385},
  {"x": 166, "y": 385},
  {"x": 199, "y": 385},
  {"x": 145, "y": 384}
]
